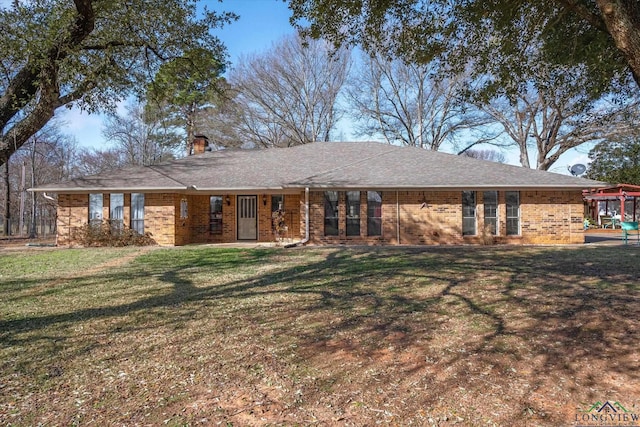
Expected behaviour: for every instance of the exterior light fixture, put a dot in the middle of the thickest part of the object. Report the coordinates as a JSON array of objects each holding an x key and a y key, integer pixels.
[
  {"x": 264, "y": 200},
  {"x": 228, "y": 200}
]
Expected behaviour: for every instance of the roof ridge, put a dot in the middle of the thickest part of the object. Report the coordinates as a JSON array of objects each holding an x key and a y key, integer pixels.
[{"x": 364, "y": 159}]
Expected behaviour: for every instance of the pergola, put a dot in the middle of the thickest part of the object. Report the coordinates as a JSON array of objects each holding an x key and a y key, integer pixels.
[{"x": 620, "y": 192}]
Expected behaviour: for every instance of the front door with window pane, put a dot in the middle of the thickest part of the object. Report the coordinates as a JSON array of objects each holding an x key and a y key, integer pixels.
[{"x": 247, "y": 217}]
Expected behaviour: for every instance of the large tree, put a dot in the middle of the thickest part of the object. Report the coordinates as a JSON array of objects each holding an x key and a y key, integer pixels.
[
  {"x": 288, "y": 95},
  {"x": 88, "y": 53},
  {"x": 409, "y": 103},
  {"x": 548, "y": 124},
  {"x": 140, "y": 139},
  {"x": 500, "y": 37},
  {"x": 48, "y": 156},
  {"x": 221, "y": 121},
  {"x": 616, "y": 161},
  {"x": 184, "y": 88}
]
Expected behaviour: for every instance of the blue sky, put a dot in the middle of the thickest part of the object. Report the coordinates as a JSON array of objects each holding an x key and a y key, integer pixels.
[{"x": 261, "y": 23}]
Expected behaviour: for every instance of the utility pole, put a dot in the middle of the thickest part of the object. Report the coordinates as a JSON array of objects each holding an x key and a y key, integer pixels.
[
  {"x": 22, "y": 191},
  {"x": 7, "y": 200},
  {"x": 32, "y": 228}
]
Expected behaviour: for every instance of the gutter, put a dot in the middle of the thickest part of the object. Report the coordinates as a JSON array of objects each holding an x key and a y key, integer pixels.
[
  {"x": 48, "y": 197},
  {"x": 306, "y": 222},
  {"x": 398, "y": 217}
]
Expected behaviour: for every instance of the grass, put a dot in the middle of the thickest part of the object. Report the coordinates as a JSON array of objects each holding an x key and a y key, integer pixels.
[{"x": 338, "y": 336}]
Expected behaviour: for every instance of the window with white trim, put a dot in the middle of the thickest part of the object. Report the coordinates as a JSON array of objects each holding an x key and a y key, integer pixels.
[
  {"x": 330, "y": 213},
  {"x": 374, "y": 213},
  {"x": 277, "y": 202},
  {"x": 184, "y": 209},
  {"x": 513, "y": 212},
  {"x": 95, "y": 208},
  {"x": 469, "y": 213},
  {"x": 116, "y": 212},
  {"x": 490, "y": 202},
  {"x": 215, "y": 218},
  {"x": 353, "y": 213},
  {"x": 137, "y": 212}
]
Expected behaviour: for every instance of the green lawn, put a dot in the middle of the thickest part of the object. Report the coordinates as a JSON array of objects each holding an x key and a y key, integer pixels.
[{"x": 329, "y": 336}]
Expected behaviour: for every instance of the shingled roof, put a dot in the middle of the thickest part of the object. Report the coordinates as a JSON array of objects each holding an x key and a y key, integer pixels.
[{"x": 335, "y": 165}]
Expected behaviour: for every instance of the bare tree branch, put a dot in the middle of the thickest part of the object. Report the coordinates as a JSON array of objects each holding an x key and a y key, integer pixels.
[
  {"x": 288, "y": 96},
  {"x": 405, "y": 104}
]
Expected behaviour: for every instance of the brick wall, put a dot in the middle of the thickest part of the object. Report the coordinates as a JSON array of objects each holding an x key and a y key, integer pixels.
[
  {"x": 552, "y": 217},
  {"x": 73, "y": 212},
  {"x": 408, "y": 217},
  {"x": 160, "y": 217},
  {"x": 435, "y": 217},
  {"x": 195, "y": 228}
]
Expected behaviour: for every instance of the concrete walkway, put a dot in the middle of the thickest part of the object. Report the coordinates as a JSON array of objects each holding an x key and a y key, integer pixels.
[{"x": 607, "y": 237}]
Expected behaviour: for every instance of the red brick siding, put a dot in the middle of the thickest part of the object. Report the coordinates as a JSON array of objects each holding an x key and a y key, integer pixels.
[
  {"x": 160, "y": 217},
  {"x": 424, "y": 217},
  {"x": 551, "y": 216},
  {"x": 73, "y": 212},
  {"x": 291, "y": 207},
  {"x": 435, "y": 217}
]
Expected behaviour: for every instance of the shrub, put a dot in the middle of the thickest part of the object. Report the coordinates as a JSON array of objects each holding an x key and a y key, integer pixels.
[{"x": 108, "y": 233}]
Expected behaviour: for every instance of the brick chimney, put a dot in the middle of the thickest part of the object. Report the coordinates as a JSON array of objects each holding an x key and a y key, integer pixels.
[{"x": 200, "y": 144}]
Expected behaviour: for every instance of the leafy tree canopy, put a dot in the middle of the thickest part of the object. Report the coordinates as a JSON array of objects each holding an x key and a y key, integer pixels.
[
  {"x": 183, "y": 87},
  {"x": 617, "y": 161},
  {"x": 187, "y": 79},
  {"x": 89, "y": 53},
  {"x": 498, "y": 39}
]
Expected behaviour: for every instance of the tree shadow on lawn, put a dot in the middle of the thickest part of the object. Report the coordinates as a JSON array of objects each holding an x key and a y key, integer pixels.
[
  {"x": 540, "y": 333},
  {"x": 488, "y": 334}
]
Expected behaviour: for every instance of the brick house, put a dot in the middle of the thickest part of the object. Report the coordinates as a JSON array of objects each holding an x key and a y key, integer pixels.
[{"x": 329, "y": 193}]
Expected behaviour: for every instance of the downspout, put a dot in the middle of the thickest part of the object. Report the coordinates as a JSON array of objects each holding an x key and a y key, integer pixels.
[
  {"x": 397, "y": 217},
  {"x": 306, "y": 217},
  {"x": 306, "y": 222}
]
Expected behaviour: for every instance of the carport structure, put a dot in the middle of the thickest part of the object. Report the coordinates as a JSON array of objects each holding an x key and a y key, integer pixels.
[{"x": 625, "y": 194}]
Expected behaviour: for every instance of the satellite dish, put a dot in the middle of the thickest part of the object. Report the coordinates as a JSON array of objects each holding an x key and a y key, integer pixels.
[{"x": 577, "y": 169}]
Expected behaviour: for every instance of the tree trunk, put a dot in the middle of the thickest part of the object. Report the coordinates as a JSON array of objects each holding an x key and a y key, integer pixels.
[{"x": 622, "y": 18}]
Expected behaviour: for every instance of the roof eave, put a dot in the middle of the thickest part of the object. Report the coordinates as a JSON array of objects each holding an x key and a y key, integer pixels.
[
  {"x": 76, "y": 190},
  {"x": 445, "y": 187}
]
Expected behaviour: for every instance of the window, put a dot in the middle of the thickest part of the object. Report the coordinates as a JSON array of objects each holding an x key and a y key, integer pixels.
[
  {"x": 215, "y": 217},
  {"x": 468, "y": 213},
  {"x": 490, "y": 201},
  {"x": 137, "y": 212},
  {"x": 353, "y": 213},
  {"x": 374, "y": 213},
  {"x": 95, "y": 209},
  {"x": 330, "y": 213},
  {"x": 184, "y": 209},
  {"x": 513, "y": 213},
  {"x": 116, "y": 211},
  {"x": 277, "y": 202}
]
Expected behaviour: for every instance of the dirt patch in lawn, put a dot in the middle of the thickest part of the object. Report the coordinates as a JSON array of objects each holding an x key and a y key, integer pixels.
[{"x": 332, "y": 336}]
